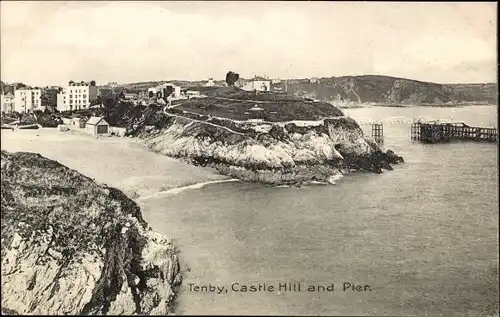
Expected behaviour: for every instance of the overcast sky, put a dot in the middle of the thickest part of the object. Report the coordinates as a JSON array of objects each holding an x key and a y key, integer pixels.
[{"x": 50, "y": 43}]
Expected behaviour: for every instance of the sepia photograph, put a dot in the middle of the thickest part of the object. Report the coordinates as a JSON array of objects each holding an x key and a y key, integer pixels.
[{"x": 281, "y": 158}]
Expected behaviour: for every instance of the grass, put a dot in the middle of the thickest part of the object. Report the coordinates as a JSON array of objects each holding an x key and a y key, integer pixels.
[
  {"x": 42, "y": 193},
  {"x": 276, "y": 108}
]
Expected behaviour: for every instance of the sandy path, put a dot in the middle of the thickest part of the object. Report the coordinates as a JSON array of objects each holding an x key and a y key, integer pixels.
[
  {"x": 205, "y": 122},
  {"x": 123, "y": 163}
]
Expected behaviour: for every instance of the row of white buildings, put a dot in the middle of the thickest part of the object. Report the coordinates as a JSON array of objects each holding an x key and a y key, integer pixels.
[
  {"x": 80, "y": 95},
  {"x": 76, "y": 96},
  {"x": 22, "y": 100}
]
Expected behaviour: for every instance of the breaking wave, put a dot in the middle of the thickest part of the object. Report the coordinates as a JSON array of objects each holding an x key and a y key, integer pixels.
[
  {"x": 401, "y": 120},
  {"x": 177, "y": 190}
]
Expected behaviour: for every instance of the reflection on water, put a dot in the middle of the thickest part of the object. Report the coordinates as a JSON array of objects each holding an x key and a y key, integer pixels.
[{"x": 424, "y": 236}]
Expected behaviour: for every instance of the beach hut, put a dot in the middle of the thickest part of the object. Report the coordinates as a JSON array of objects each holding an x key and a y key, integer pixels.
[
  {"x": 77, "y": 123},
  {"x": 62, "y": 128},
  {"x": 97, "y": 126}
]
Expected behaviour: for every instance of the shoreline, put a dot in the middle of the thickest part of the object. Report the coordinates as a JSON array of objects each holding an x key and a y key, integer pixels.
[
  {"x": 175, "y": 176},
  {"x": 124, "y": 163},
  {"x": 131, "y": 166},
  {"x": 37, "y": 141}
]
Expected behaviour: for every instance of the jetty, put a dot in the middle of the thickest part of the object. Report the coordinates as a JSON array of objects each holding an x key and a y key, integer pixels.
[{"x": 437, "y": 132}]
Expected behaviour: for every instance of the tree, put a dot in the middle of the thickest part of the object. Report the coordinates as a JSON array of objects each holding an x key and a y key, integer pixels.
[
  {"x": 49, "y": 97},
  {"x": 231, "y": 78},
  {"x": 109, "y": 101},
  {"x": 20, "y": 85},
  {"x": 97, "y": 101},
  {"x": 6, "y": 88}
]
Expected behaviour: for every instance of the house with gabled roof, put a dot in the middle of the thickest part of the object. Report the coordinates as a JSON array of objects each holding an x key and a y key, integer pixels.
[{"x": 258, "y": 83}]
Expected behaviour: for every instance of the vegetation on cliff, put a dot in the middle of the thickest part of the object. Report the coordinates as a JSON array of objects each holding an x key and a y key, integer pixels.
[
  {"x": 221, "y": 106},
  {"x": 477, "y": 92},
  {"x": 273, "y": 111},
  {"x": 70, "y": 246}
]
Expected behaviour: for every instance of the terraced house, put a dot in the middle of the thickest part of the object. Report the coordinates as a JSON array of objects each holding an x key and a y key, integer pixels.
[
  {"x": 27, "y": 99},
  {"x": 76, "y": 96}
]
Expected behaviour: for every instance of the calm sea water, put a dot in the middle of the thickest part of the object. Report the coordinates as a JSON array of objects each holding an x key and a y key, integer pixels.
[{"x": 424, "y": 236}]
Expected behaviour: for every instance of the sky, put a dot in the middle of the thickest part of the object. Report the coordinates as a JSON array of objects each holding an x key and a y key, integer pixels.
[{"x": 50, "y": 43}]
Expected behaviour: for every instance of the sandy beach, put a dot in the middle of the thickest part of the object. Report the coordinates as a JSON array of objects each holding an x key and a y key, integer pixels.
[{"x": 124, "y": 163}]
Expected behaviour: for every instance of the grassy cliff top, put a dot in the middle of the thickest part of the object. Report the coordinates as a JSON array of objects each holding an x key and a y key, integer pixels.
[
  {"x": 39, "y": 193},
  {"x": 234, "y": 103},
  {"x": 71, "y": 246}
]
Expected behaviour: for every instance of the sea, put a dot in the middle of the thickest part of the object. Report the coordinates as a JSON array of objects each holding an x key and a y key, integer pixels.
[{"x": 419, "y": 240}]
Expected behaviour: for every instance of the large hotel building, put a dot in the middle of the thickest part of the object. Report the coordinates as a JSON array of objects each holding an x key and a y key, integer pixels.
[{"x": 76, "y": 96}]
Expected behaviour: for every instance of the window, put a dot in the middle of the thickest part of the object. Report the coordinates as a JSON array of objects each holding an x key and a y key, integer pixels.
[{"x": 71, "y": 96}]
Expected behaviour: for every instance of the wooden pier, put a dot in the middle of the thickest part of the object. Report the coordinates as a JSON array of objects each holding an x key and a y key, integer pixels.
[
  {"x": 378, "y": 132},
  {"x": 436, "y": 132}
]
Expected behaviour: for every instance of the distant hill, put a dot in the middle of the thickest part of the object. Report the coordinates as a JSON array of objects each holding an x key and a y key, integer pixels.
[
  {"x": 389, "y": 90},
  {"x": 478, "y": 92}
]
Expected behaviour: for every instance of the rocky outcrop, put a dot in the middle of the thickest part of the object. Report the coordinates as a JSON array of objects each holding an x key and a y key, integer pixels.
[
  {"x": 300, "y": 140},
  {"x": 276, "y": 153},
  {"x": 70, "y": 246}
]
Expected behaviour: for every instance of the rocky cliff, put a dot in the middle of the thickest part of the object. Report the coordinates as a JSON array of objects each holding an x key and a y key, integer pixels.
[
  {"x": 70, "y": 246},
  {"x": 274, "y": 153}
]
